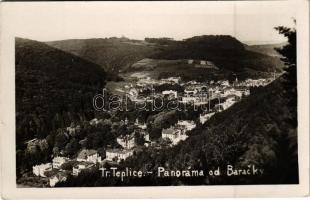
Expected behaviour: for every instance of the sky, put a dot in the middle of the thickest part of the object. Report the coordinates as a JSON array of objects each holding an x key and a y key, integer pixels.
[{"x": 247, "y": 21}]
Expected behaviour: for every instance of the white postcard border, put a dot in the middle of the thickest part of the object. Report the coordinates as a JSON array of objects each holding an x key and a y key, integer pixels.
[{"x": 7, "y": 128}]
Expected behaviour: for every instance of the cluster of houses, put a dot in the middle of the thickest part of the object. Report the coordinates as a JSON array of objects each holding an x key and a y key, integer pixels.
[
  {"x": 142, "y": 82},
  {"x": 39, "y": 170},
  {"x": 127, "y": 143},
  {"x": 194, "y": 93},
  {"x": 86, "y": 159},
  {"x": 178, "y": 132},
  {"x": 118, "y": 154},
  {"x": 202, "y": 64},
  {"x": 199, "y": 93},
  {"x": 256, "y": 82}
]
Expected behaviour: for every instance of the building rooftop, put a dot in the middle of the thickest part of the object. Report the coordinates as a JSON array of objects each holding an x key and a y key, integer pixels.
[
  {"x": 170, "y": 131},
  {"x": 120, "y": 151},
  {"x": 86, "y": 152}
]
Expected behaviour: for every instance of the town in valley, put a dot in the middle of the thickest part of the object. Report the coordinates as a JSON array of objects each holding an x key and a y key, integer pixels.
[{"x": 213, "y": 96}]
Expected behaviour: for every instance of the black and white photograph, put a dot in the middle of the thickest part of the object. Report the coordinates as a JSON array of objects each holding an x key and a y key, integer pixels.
[{"x": 135, "y": 94}]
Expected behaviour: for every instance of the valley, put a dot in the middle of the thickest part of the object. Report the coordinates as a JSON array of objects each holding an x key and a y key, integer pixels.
[{"x": 217, "y": 79}]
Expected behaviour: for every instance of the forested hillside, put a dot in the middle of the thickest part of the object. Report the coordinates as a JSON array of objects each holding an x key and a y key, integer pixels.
[
  {"x": 225, "y": 51},
  {"x": 53, "y": 88}
]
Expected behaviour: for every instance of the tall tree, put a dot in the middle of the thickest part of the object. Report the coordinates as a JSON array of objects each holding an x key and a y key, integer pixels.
[
  {"x": 290, "y": 76},
  {"x": 289, "y": 144}
]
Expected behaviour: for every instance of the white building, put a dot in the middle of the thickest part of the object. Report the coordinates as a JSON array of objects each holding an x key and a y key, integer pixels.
[
  {"x": 225, "y": 83},
  {"x": 190, "y": 61},
  {"x": 76, "y": 170},
  {"x": 71, "y": 130},
  {"x": 170, "y": 93},
  {"x": 205, "y": 117},
  {"x": 188, "y": 124},
  {"x": 175, "y": 135},
  {"x": 203, "y": 62},
  {"x": 214, "y": 93},
  {"x": 238, "y": 93},
  {"x": 39, "y": 170},
  {"x": 146, "y": 137},
  {"x": 190, "y": 91},
  {"x": 228, "y": 91},
  {"x": 231, "y": 100},
  {"x": 256, "y": 83},
  {"x": 173, "y": 80},
  {"x": 118, "y": 154},
  {"x": 192, "y": 82},
  {"x": 189, "y": 99},
  {"x": 242, "y": 92},
  {"x": 228, "y": 103},
  {"x": 88, "y": 155},
  {"x": 58, "y": 161}
]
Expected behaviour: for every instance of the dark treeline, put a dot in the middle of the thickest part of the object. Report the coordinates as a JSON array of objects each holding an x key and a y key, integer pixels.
[{"x": 161, "y": 41}]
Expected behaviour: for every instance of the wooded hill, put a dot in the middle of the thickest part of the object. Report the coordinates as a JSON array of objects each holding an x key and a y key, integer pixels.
[
  {"x": 224, "y": 51},
  {"x": 53, "y": 88},
  {"x": 114, "y": 54}
]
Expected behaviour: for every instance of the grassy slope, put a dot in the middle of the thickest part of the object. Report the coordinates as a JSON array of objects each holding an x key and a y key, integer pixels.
[{"x": 111, "y": 54}]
